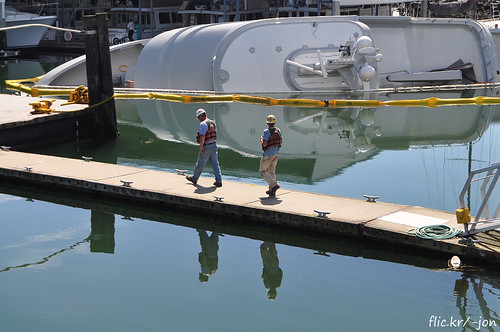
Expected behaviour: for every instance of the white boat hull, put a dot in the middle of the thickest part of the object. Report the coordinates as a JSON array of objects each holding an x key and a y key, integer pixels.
[
  {"x": 25, "y": 37},
  {"x": 310, "y": 54}
]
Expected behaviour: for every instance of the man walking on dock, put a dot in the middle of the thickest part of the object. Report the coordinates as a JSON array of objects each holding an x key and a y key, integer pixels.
[
  {"x": 207, "y": 138},
  {"x": 271, "y": 141}
]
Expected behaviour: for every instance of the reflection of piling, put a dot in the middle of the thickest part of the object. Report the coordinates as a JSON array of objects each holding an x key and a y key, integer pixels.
[
  {"x": 102, "y": 238},
  {"x": 99, "y": 77}
]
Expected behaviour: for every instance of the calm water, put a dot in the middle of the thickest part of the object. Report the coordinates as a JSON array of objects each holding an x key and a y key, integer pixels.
[{"x": 74, "y": 264}]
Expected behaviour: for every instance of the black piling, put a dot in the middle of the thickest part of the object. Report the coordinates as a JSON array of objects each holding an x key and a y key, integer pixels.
[{"x": 102, "y": 122}]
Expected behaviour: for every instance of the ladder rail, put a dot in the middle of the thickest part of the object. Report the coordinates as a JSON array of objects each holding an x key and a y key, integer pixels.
[{"x": 489, "y": 182}]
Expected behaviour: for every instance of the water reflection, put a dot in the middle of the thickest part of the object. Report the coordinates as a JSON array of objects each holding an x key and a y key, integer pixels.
[
  {"x": 483, "y": 283},
  {"x": 102, "y": 237},
  {"x": 208, "y": 257},
  {"x": 271, "y": 271},
  {"x": 45, "y": 259},
  {"x": 322, "y": 141},
  {"x": 474, "y": 282}
]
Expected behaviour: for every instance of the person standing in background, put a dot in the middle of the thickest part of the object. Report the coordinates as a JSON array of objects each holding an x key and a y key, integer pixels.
[{"x": 130, "y": 30}]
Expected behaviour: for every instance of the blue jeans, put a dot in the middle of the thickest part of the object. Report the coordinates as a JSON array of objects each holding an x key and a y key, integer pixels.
[{"x": 209, "y": 153}]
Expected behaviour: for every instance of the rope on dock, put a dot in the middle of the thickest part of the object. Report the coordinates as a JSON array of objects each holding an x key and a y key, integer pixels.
[
  {"x": 435, "y": 232},
  {"x": 40, "y": 25}
]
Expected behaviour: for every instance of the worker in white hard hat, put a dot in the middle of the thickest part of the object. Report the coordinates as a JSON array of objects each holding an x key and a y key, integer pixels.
[
  {"x": 271, "y": 141},
  {"x": 207, "y": 138}
]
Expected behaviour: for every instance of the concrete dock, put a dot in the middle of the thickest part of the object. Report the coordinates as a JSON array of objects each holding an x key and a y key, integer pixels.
[
  {"x": 21, "y": 129},
  {"x": 355, "y": 218}
]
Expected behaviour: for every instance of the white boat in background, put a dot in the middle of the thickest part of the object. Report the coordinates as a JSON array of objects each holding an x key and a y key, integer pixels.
[
  {"x": 154, "y": 22},
  {"x": 328, "y": 53},
  {"x": 25, "y": 37}
]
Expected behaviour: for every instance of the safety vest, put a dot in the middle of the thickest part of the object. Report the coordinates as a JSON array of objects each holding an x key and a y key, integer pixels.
[
  {"x": 274, "y": 140},
  {"x": 211, "y": 133}
]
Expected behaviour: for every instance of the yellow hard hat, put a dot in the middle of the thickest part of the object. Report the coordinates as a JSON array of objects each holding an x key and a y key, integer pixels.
[{"x": 271, "y": 119}]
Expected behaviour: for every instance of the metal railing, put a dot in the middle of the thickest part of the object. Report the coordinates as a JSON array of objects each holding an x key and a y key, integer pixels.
[{"x": 489, "y": 176}]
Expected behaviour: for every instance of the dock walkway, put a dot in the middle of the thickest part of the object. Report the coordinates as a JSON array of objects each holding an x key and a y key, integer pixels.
[{"x": 356, "y": 218}]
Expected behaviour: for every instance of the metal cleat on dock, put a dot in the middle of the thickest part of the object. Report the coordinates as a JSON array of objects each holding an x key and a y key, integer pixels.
[
  {"x": 42, "y": 107},
  {"x": 126, "y": 183},
  {"x": 5, "y": 148},
  {"x": 322, "y": 214},
  {"x": 370, "y": 198},
  {"x": 87, "y": 159},
  {"x": 218, "y": 198},
  {"x": 181, "y": 171},
  {"x": 27, "y": 169}
]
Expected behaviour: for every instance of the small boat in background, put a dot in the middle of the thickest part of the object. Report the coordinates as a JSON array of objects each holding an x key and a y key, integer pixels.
[{"x": 25, "y": 37}]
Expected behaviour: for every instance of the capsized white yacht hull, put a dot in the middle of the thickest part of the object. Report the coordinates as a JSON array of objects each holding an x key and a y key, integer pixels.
[{"x": 328, "y": 53}]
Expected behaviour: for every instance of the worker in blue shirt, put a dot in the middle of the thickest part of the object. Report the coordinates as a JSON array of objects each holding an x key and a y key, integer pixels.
[{"x": 207, "y": 138}]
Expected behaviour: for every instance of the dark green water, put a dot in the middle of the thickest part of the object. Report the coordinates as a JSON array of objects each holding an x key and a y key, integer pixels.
[{"x": 74, "y": 264}]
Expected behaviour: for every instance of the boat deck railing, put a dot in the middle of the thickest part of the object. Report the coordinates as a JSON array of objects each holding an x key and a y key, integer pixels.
[{"x": 483, "y": 220}]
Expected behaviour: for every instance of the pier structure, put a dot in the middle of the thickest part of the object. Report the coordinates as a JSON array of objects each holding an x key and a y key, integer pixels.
[
  {"x": 361, "y": 218},
  {"x": 367, "y": 217}
]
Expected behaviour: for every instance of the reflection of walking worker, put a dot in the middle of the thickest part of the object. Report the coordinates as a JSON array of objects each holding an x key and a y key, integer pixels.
[
  {"x": 271, "y": 271},
  {"x": 130, "y": 29},
  {"x": 271, "y": 140},
  {"x": 208, "y": 257},
  {"x": 207, "y": 138}
]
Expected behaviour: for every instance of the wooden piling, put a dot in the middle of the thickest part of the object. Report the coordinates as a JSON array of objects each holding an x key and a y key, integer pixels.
[
  {"x": 102, "y": 123},
  {"x": 3, "y": 41}
]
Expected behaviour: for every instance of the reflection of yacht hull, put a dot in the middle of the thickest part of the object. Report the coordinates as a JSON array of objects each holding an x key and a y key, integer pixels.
[
  {"x": 312, "y": 54},
  {"x": 333, "y": 139}
]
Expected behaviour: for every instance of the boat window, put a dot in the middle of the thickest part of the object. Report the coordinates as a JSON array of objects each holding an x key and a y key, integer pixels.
[
  {"x": 164, "y": 18},
  {"x": 145, "y": 19},
  {"x": 177, "y": 18}
]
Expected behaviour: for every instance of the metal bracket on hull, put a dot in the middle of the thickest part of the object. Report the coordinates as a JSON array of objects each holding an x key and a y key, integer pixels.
[{"x": 338, "y": 67}]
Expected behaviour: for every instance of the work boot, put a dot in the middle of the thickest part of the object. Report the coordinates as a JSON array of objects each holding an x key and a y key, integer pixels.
[
  {"x": 190, "y": 178},
  {"x": 218, "y": 184},
  {"x": 272, "y": 192}
]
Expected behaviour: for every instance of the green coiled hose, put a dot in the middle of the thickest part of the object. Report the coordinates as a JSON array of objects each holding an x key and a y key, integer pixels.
[{"x": 436, "y": 232}]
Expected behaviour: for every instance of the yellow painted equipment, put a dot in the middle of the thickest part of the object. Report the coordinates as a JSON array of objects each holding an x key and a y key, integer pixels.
[
  {"x": 42, "y": 107},
  {"x": 79, "y": 96},
  {"x": 463, "y": 216}
]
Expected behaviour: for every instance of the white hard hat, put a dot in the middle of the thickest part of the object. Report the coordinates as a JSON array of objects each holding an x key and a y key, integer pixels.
[{"x": 200, "y": 111}]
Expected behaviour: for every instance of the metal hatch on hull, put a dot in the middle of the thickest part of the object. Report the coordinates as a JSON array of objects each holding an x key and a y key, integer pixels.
[{"x": 234, "y": 57}]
